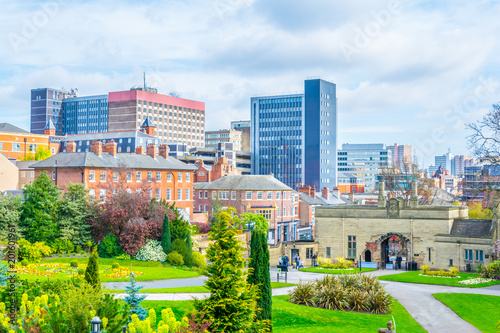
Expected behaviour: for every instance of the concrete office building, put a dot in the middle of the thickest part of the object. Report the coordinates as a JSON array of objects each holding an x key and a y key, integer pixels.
[
  {"x": 364, "y": 161},
  {"x": 213, "y": 138},
  {"x": 47, "y": 104},
  {"x": 244, "y": 127},
  {"x": 295, "y": 133}
]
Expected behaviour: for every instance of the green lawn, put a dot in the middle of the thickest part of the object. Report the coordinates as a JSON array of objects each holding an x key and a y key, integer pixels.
[
  {"x": 291, "y": 318},
  {"x": 479, "y": 310},
  {"x": 415, "y": 277},
  {"x": 151, "y": 270},
  {"x": 335, "y": 271},
  {"x": 196, "y": 289}
]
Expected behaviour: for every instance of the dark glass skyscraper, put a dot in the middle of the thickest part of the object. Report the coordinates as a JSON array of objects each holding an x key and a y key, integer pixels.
[{"x": 295, "y": 136}]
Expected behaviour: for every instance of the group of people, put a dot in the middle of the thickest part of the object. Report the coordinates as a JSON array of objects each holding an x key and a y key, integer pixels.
[{"x": 296, "y": 263}]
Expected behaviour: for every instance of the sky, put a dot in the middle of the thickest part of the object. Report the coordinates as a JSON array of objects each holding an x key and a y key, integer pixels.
[{"x": 412, "y": 72}]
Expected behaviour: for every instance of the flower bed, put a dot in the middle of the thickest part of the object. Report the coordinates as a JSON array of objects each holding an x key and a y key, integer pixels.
[
  {"x": 440, "y": 273},
  {"x": 471, "y": 282},
  {"x": 441, "y": 276},
  {"x": 340, "y": 263},
  {"x": 50, "y": 270}
]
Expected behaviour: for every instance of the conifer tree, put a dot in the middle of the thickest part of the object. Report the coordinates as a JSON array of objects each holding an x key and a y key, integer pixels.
[
  {"x": 134, "y": 300},
  {"x": 232, "y": 305},
  {"x": 166, "y": 241},
  {"x": 259, "y": 273},
  {"x": 92, "y": 271}
]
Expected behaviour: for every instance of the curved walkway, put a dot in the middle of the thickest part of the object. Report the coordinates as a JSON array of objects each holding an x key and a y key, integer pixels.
[{"x": 433, "y": 315}]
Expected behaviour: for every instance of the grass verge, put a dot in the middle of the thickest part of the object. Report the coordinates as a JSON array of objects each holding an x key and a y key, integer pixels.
[
  {"x": 478, "y": 310},
  {"x": 415, "y": 277},
  {"x": 291, "y": 318}
]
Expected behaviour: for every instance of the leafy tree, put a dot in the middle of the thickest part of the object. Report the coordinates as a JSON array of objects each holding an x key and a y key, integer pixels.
[
  {"x": 232, "y": 305},
  {"x": 109, "y": 247},
  {"x": 92, "y": 271},
  {"x": 134, "y": 300},
  {"x": 10, "y": 213},
  {"x": 476, "y": 211},
  {"x": 178, "y": 227},
  {"x": 166, "y": 240},
  {"x": 182, "y": 248},
  {"x": 259, "y": 272},
  {"x": 42, "y": 153},
  {"x": 73, "y": 211},
  {"x": 40, "y": 210}
]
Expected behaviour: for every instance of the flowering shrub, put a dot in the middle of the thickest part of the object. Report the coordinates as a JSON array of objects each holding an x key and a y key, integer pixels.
[
  {"x": 33, "y": 252},
  {"x": 152, "y": 251},
  {"x": 471, "y": 282},
  {"x": 175, "y": 259},
  {"x": 340, "y": 263},
  {"x": 199, "y": 260},
  {"x": 441, "y": 273}
]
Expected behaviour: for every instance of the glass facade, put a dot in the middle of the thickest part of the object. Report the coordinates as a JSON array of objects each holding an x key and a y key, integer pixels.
[
  {"x": 294, "y": 136},
  {"x": 85, "y": 114}
]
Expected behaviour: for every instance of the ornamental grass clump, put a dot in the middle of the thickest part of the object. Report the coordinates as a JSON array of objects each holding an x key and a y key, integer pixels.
[
  {"x": 348, "y": 292},
  {"x": 152, "y": 251}
]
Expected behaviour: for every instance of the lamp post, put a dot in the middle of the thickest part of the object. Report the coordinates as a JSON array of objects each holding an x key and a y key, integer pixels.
[{"x": 95, "y": 325}]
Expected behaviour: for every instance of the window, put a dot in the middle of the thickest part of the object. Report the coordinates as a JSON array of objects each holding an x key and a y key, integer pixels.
[
  {"x": 223, "y": 195},
  {"x": 179, "y": 194},
  {"x": 102, "y": 195},
  {"x": 169, "y": 194},
  {"x": 188, "y": 177},
  {"x": 129, "y": 176},
  {"x": 205, "y": 208},
  {"x": 91, "y": 176},
  {"x": 200, "y": 195},
  {"x": 269, "y": 195},
  {"x": 169, "y": 177},
  {"x": 479, "y": 255},
  {"x": 351, "y": 246},
  {"x": 158, "y": 176},
  {"x": 200, "y": 208},
  {"x": 150, "y": 176},
  {"x": 1, "y": 146},
  {"x": 284, "y": 211},
  {"x": 277, "y": 195},
  {"x": 233, "y": 195},
  {"x": 179, "y": 177},
  {"x": 259, "y": 195},
  {"x": 309, "y": 252},
  {"x": 92, "y": 194},
  {"x": 214, "y": 195},
  {"x": 102, "y": 176},
  {"x": 53, "y": 175},
  {"x": 188, "y": 194},
  {"x": 468, "y": 255},
  {"x": 158, "y": 194},
  {"x": 138, "y": 176},
  {"x": 277, "y": 212},
  {"x": 115, "y": 177},
  {"x": 16, "y": 146},
  {"x": 328, "y": 252},
  {"x": 249, "y": 195},
  {"x": 150, "y": 193},
  {"x": 206, "y": 194},
  {"x": 32, "y": 148}
]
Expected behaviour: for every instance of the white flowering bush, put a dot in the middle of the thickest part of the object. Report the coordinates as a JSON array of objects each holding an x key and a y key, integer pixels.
[
  {"x": 471, "y": 282},
  {"x": 152, "y": 251}
]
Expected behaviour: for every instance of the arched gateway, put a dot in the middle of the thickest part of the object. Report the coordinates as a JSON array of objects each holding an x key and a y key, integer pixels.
[{"x": 393, "y": 250}]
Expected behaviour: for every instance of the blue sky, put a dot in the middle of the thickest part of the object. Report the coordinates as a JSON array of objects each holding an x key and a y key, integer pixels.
[{"x": 412, "y": 72}]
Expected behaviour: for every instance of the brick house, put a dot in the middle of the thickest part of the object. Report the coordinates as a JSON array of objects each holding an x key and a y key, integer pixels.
[
  {"x": 102, "y": 168},
  {"x": 264, "y": 195},
  {"x": 209, "y": 173}
]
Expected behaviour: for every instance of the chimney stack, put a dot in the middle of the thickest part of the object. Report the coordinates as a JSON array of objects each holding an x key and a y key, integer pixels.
[
  {"x": 96, "y": 147},
  {"x": 312, "y": 191},
  {"x": 325, "y": 193},
  {"x": 151, "y": 150},
  {"x": 414, "y": 194},
  {"x": 139, "y": 150},
  {"x": 336, "y": 192},
  {"x": 163, "y": 151},
  {"x": 70, "y": 147},
  {"x": 381, "y": 193},
  {"x": 110, "y": 147}
]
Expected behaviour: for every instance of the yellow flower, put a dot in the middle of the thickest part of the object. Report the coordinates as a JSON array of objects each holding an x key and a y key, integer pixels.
[
  {"x": 92, "y": 313},
  {"x": 104, "y": 322}
]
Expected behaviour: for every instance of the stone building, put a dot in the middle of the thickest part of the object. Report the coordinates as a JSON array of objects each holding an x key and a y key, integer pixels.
[{"x": 437, "y": 236}]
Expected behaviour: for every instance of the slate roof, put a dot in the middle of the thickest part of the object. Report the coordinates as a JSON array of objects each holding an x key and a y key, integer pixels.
[
  {"x": 50, "y": 125},
  {"x": 471, "y": 228},
  {"x": 6, "y": 127},
  {"x": 244, "y": 183},
  {"x": 148, "y": 123},
  {"x": 310, "y": 200},
  {"x": 106, "y": 160}
]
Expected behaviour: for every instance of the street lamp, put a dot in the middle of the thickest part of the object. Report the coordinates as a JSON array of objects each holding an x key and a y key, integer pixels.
[{"x": 96, "y": 325}]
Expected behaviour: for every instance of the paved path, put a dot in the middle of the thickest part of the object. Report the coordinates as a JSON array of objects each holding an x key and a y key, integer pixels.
[{"x": 416, "y": 298}]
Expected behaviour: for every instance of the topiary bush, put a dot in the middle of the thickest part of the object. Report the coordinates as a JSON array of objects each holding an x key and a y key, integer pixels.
[
  {"x": 115, "y": 265},
  {"x": 199, "y": 260},
  {"x": 109, "y": 247},
  {"x": 175, "y": 259},
  {"x": 152, "y": 251},
  {"x": 25, "y": 262},
  {"x": 181, "y": 247},
  {"x": 73, "y": 263}
]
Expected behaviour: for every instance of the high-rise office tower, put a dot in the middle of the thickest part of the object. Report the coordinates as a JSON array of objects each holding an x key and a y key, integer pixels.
[
  {"x": 46, "y": 104},
  {"x": 82, "y": 115},
  {"x": 295, "y": 136}
]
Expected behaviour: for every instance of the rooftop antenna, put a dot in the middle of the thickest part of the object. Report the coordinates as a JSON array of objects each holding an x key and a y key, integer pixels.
[{"x": 144, "y": 81}]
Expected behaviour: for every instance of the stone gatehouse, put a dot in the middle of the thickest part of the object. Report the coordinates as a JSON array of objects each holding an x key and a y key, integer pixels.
[{"x": 437, "y": 236}]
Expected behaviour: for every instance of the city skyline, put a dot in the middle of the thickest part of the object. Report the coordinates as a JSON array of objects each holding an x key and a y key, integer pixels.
[{"x": 416, "y": 78}]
